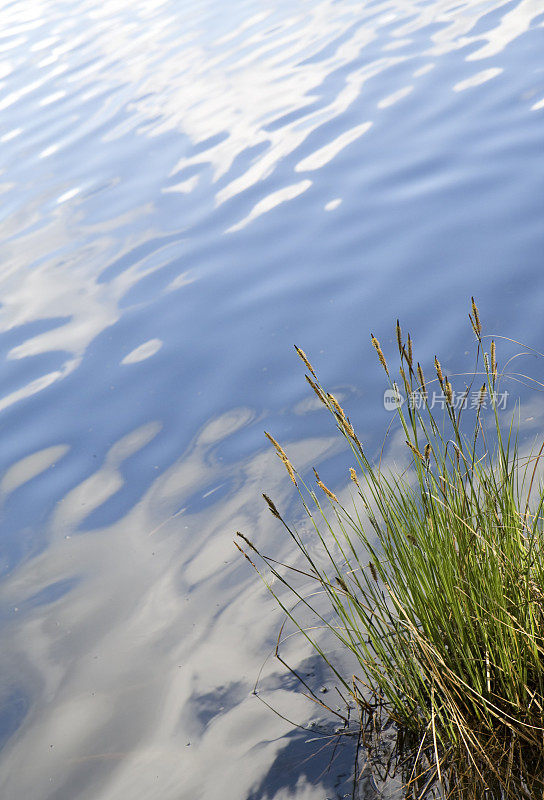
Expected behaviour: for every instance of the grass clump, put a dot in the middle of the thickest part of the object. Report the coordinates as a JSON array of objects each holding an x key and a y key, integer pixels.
[{"x": 434, "y": 580}]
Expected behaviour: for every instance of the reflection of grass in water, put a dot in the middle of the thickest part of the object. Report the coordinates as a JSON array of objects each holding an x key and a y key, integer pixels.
[{"x": 434, "y": 580}]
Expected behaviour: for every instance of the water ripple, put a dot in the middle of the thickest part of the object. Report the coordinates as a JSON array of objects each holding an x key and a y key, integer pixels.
[{"x": 185, "y": 193}]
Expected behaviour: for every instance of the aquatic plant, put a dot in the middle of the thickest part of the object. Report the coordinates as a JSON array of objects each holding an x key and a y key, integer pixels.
[{"x": 433, "y": 579}]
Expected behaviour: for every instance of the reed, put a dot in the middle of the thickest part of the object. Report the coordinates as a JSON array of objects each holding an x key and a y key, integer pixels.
[{"x": 434, "y": 581}]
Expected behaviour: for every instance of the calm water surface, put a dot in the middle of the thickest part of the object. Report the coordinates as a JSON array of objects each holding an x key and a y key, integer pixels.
[{"x": 189, "y": 188}]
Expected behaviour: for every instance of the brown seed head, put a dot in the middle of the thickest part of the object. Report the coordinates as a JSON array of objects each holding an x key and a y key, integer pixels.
[
  {"x": 337, "y": 407},
  {"x": 290, "y": 470},
  {"x": 247, "y": 541},
  {"x": 448, "y": 391},
  {"x": 273, "y": 510},
  {"x": 399, "y": 337},
  {"x": 322, "y": 486},
  {"x": 279, "y": 449},
  {"x": 373, "y": 572},
  {"x": 421, "y": 379},
  {"x": 353, "y": 476},
  {"x": 409, "y": 354},
  {"x": 476, "y": 324},
  {"x": 348, "y": 427},
  {"x": 415, "y": 451},
  {"x": 243, "y": 552},
  {"x": 282, "y": 455},
  {"x": 316, "y": 389},
  {"x": 342, "y": 584},
  {"x": 407, "y": 385},
  {"x": 378, "y": 349},
  {"x": 427, "y": 451},
  {"x": 439, "y": 371},
  {"x": 304, "y": 358},
  {"x": 482, "y": 396},
  {"x": 340, "y": 415},
  {"x": 493, "y": 360},
  {"x": 328, "y": 492}
]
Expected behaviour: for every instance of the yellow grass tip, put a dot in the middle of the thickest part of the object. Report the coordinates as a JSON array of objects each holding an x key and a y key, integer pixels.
[
  {"x": 438, "y": 370},
  {"x": 475, "y": 319},
  {"x": 378, "y": 349},
  {"x": 302, "y": 355}
]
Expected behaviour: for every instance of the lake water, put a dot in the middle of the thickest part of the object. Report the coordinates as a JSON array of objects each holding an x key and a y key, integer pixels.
[{"x": 188, "y": 189}]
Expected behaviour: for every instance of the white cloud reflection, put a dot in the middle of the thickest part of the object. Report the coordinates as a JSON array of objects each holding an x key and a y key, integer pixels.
[
  {"x": 165, "y": 611},
  {"x": 248, "y": 92}
]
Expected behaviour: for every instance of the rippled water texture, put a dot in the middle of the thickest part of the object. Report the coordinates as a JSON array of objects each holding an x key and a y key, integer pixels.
[{"x": 189, "y": 188}]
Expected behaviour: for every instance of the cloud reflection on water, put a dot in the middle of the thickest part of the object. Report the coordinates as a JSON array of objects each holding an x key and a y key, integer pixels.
[
  {"x": 134, "y": 136},
  {"x": 162, "y": 611},
  {"x": 277, "y": 80}
]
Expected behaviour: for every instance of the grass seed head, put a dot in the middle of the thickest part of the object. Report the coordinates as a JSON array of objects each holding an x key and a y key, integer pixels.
[
  {"x": 448, "y": 391},
  {"x": 399, "y": 338},
  {"x": 317, "y": 390},
  {"x": 373, "y": 572},
  {"x": 475, "y": 319},
  {"x": 378, "y": 349},
  {"x": 273, "y": 510},
  {"x": 337, "y": 407},
  {"x": 247, "y": 541},
  {"x": 341, "y": 416},
  {"x": 439, "y": 371},
  {"x": 290, "y": 471},
  {"x": 243, "y": 552},
  {"x": 348, "y": 427},
  {"x": 302, "y": 355},
  {"x": 493, "y": 360},
  {"x": 421, "y": 379},
  {"x": 407, "y": 384},
  {"x": 353, "y": 476},
  {"x": 322, "y": 486},
  {"x": 282, "y": 455},
  {"x": 415, "y": 451},
  {"x": 279, "y": 449},
  {"x": 410, "y": 357}
]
